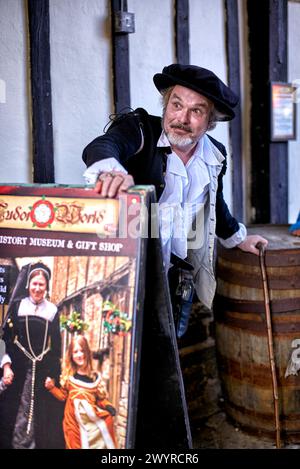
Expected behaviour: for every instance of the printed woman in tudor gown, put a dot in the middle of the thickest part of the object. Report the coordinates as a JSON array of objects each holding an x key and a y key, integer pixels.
[
  {"x": 88, "y": 417},
  {"x": 33, "y": 350}
]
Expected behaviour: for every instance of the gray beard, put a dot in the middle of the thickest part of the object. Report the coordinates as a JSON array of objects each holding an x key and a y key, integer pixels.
[{"x": 178, "y": 141}]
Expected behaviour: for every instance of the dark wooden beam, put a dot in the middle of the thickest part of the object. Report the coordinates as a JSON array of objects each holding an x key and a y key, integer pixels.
[
  {"x": 258, "y": 25},
  {"x": 233, "y": 60},
  {"x": 182, "y": 32},
  {"x": 268, "y": 62},
  {"x": 42, "y": 132},
  {"x": 278, "y": 151},
  {"x": 121, "y": 81}
]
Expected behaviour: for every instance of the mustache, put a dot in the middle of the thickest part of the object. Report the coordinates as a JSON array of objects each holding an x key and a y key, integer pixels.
[{"x": 181, "y": 127}]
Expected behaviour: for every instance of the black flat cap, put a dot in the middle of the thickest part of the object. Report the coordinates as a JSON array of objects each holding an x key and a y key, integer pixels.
[{"x": 201, "y": 80}]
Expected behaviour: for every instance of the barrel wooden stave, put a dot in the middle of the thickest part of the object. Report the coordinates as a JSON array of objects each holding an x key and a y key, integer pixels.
[{"x": 241, "y": 334}]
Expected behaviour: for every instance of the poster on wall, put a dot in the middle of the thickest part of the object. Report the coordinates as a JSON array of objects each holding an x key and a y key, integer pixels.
[
  {"x": 70, "y": 280},
  {"x": 283, "y": 112}
]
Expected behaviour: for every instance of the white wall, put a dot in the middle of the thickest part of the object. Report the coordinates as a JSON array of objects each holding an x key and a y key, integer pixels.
[
  {"x": 81, "y": 74},
  {"x": 81, "y": 78},
  {"x": 15, "y": 150},
  {"x": 151, "y": 48},
  {"x": 294, "y": 75},
  {"x": 207, "y": 48}
]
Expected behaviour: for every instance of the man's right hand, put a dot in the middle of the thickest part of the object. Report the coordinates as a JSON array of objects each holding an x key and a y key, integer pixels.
[{"x": 112, "y": 183}]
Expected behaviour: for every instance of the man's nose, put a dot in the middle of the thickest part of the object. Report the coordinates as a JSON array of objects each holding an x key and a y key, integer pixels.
[{"x": 184, "y": 116}]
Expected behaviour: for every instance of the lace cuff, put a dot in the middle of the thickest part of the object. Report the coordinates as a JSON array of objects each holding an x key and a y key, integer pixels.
[
  {"x": 108, "y": 164},
  {"x": 237, "y": 237}
]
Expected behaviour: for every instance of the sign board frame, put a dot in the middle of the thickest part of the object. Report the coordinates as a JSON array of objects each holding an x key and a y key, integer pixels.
[{"x": 96, "y": 276}]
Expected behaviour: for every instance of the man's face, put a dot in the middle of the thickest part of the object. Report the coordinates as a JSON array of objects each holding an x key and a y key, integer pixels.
[{"x": 186, "y": 117}]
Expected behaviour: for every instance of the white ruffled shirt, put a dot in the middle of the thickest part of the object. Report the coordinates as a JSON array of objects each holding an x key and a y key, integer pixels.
[{"x": 185, "y": 193}]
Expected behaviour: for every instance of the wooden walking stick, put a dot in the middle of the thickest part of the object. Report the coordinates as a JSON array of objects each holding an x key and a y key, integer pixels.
[{"x": 270, "y": 342}]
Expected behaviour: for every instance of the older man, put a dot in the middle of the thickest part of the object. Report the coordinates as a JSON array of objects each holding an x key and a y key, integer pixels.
[{"x": 184, "y": 164}]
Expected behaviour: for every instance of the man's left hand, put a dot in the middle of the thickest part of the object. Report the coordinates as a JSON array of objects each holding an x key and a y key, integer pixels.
[{"x": 250, "y": 244}]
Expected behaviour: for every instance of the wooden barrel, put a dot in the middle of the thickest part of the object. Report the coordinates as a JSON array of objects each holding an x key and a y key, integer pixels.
[{"x": 241, "y": 332}]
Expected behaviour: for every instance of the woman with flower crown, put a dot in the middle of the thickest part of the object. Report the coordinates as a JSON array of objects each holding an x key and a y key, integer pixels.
[
  {"x": 33, "y": 348},
  {"x": 88, "y": 417}
]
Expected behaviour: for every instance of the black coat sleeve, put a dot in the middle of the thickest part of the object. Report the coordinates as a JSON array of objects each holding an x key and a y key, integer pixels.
[
  {"x": 226, "y": 224},
  {"x": 121, "y": 141}
]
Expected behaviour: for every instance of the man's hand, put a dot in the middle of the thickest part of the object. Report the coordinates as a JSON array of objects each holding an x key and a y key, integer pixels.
[
  {"x": 113, "y": 183},
  {"x": 250, "y": 244}
]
